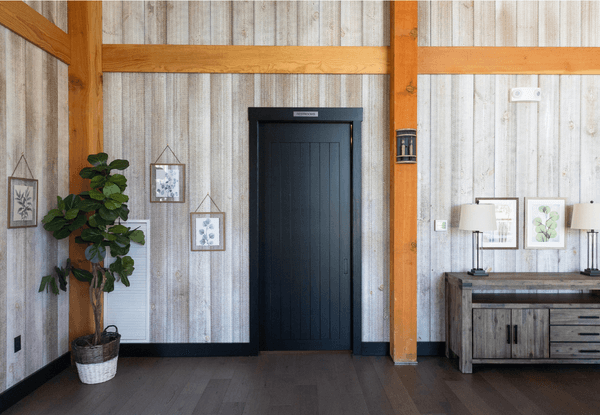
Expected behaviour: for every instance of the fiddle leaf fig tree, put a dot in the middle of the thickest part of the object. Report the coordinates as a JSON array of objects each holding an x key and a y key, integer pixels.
[{"x": 94, "y": 212}]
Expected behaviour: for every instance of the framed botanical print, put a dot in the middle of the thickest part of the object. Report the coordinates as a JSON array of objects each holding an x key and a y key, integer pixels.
[
  {"x": 506, "y": 235},
  {"x": 545, "y": 223},
  {"x": 167, "y": 183},
  {"x": 207, "y": 231},
  {"x": 22, "y": 202}
]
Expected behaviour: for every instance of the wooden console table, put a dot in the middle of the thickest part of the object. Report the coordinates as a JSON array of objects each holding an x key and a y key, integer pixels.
[{"x": 522, "y": 328}]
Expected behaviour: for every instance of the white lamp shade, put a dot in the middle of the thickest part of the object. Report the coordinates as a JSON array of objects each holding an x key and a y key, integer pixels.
[
  {"x": 481, "y": 217},
  {"x": 586, "y": 216}
]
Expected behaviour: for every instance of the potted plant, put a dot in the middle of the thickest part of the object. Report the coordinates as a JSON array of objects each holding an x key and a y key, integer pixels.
[{"x": 94, "y": 213}]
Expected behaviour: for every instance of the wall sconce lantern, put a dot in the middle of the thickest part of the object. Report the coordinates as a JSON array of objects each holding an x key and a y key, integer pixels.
[{"x": 406, "y": 146}]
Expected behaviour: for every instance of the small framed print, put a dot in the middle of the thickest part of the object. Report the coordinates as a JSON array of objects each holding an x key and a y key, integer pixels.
[
  {"x": 506, "y": 236},
  {"x": 207, "y": 231},
  {"x": 167, "y": 183},
  {"x": 22, "y": 202},
  {"x": 545, "y": 223}
]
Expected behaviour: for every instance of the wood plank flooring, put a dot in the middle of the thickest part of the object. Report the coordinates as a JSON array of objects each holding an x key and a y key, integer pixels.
[{"x": 319, "y": 383}]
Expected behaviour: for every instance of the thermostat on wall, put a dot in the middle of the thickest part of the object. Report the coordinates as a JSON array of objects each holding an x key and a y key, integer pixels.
[
  {"x": 525, "y": 94},
  {"x": 440, "y": 225}
]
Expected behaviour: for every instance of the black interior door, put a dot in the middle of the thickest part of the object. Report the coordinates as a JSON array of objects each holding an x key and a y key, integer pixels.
[{"x": 305, "y": 235}]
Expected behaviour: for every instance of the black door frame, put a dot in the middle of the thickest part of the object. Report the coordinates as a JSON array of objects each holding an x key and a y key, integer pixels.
[{"x": 352, "y": 116}]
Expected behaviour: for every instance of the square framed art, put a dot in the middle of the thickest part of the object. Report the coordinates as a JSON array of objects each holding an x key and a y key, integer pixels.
[
  {"x": 506, "y": 236},
  {"x": 545, "y": 223},
  {"x": 207, "y": 231},
  {"x": 167, "y": 183},
  {"x": 22, "y": 202}
]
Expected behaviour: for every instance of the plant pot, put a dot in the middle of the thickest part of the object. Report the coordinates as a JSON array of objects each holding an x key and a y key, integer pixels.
[{"x": 97, "y": 364}]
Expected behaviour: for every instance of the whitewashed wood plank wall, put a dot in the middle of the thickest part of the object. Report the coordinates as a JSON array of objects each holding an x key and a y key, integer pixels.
[
  {"x": 33, "y": 121},
  {"x": 474, "y": 142},
  {"x": 203, "y": 297}
]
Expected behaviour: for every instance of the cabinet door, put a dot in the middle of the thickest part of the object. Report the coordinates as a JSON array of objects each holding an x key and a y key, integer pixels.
[
  {"x": 531, "y": 334},
  {"x": 491, "y": 338}
]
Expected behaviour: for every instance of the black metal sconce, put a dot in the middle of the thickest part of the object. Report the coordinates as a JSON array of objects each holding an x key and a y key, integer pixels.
[{"x": 406, "y": 146}]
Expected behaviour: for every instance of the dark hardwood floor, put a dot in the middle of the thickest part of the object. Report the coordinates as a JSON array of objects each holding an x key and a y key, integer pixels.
[{"x": 319, "y": 383}]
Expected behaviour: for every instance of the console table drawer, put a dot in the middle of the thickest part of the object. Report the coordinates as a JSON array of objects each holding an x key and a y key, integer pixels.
[
  {"x": 588, "y": 317},
  {"x": 575, "y": 350},
  {"x": 575, "y": 333}
]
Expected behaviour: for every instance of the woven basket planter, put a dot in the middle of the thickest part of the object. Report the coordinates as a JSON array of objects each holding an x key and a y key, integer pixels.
[{"x": 97, "y": 364}]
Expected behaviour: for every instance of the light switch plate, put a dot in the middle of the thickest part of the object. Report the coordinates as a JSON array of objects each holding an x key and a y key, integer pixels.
[{"x": 440, "y": 225}]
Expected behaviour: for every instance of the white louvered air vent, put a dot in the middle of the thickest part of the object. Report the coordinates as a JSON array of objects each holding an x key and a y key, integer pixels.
[{"x": 128, "y": 307}]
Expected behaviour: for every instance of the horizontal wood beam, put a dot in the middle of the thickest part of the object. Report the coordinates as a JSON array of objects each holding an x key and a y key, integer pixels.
[
  {"x": 246, "y": 59},
  {"x": 509, "y": 60},
  {"x": 35, "y": 28}
]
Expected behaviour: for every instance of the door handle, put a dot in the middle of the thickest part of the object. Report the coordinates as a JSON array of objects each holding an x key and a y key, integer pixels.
[
  {"x": 345, "y": 265},
  {"x": 516, "y": 334},
  {"x": 589, "y": 334},
  {"x": 508, "y": 334}
]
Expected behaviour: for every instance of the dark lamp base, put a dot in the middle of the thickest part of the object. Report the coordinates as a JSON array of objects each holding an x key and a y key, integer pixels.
[
  {"x": 592, "y": 272},
  {"x": 478, "y": 272}
]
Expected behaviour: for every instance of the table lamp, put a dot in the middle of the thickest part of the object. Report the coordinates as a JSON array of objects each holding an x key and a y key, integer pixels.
[
  {"x": 477, "y": 218},
  {"x": 587, "y": 216}
]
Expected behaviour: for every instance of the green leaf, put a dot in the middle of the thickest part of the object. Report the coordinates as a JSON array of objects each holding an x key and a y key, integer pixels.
[
  {"x": 87, "y": 173},
  {"x": 108, "y": 215},
  {"x": 48, "y": 282},
  {"x": 137, "y": 236},
  {"x": 79, "y": 240},
  {"x": 551, "y": 224},
  {"x": 109, "y": 236},
  {"x": 119, "y": 197},
  {"x": 95, "y": 253},
  {"x": 92, "y": 235},
  {"x": 82, "y": 275},
  {"x": 125, "y": 280},
  {"x": 72, "y": 202},
  {"x": 71, "y": 214},
  {"x": 540, "y": 237},
  {"x": 119, "y": 164},
  {"x": 51, "y": 215},
  {"x": 100, "y": 169},
  {"x": 97, "y": 159},
  {"x": 61, "y": 233},
  {"x": 109, "y": 283},
  {"x": 98, "y": 181},
  {"x": 553, "y": 233},
  {"x": 109, "y": 189},
  {"x": 118, "y": 179},
  {"x": 540, "y": 228},
  {"x": 119, "y": 229},
  {"x": 112, "y": 205},
  {"x": 55, "y": 224},
  {"x": 79, "y": 221},
  {"x": 96, "y": 194},
  {"x": 554, "y": 215},
  {"x": 537, "y": 221},
  {"x": 127, "y": 262},
  {"x": 89, "y": 205},
  {"x": 117, "y": 250},
  {"x": 123, "y": 240},
  {"x": 123, "y": 212}
]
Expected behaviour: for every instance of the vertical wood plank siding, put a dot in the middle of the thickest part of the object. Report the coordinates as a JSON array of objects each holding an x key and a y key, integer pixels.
[
  {"x": 34, "y": 122},
  {"x": 203, "y": 297},
  {"x": 474, "y": 142}
]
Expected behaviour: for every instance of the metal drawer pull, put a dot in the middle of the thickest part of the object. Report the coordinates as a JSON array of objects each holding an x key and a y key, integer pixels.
[
  {"x": 592, "y": 317},
  {"x": 589, "y": 351},
  {"x": 589, "y": 334},
  {"x": 508, "y": 334},
  {"x": 516, "y": 334}
]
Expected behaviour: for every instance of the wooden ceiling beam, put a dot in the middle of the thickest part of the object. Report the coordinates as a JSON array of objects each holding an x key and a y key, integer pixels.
[
  {"x": 35, "y": 28},
  {"x": 245, "y": 59}
]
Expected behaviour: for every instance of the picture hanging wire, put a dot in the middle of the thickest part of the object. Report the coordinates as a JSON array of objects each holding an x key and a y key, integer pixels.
[
  {"x": 167, "y": 147},
  {"x": 207, "y": 195},
  {"x": 27, "y": 164}
]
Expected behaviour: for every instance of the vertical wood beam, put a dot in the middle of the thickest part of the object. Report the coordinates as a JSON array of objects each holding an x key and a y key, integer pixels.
[
  {"x": 85, "y": 134},
  {"x": 403, "y": 183}
]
